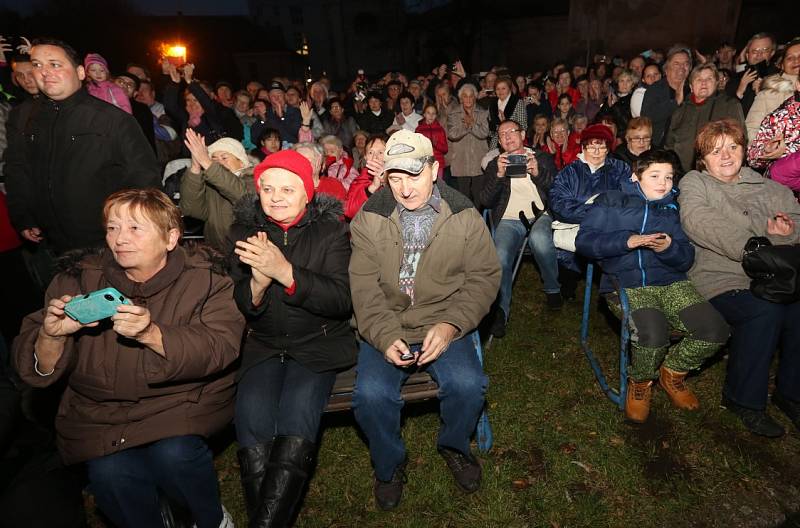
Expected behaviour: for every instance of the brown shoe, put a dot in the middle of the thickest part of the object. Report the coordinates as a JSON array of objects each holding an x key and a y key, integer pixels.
[
  {"x": 637, "y": 401},
  {"x": 674, "y": 384}
]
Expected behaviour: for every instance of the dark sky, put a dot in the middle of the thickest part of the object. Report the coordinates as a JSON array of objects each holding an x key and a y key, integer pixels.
[{"x": 157, "y": 7}]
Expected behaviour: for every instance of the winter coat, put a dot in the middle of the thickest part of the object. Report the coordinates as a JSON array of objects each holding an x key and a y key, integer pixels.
[
  {"x": 456, "y": 281},
  {"x": 111, "y": 93},
  {"x": 768, "y": 100},
  {"x": 312, "y": 323},
  {"x": 496, "y": 191},
  {"x": 563, "y": 157},
  {"x": 374, "y": 124},
  {"x": 210, "y": 197},
  {"x": 787, "y": 171},
  {"x": 610, "y": 222},
  {"x": 623, "y": 153},
  {"x": 438, "y": 138},
  {"x": 784, "y": 121},
  {"x": 65, "y": 158},
  {"x": 467, "y": 146},
  {"x": 574, "y": 94},
  {"x": 576, "y": 183},
  {"x": 515, "y": 109},
  {"x": 689, "y": 118},
  {"x": 720, "y": 217},
  {"x": 120, "y": 394},
  {"x": 658, "y": 104},
  {"x": 288, "y": 125},
  {"x": 216, "y": 122}
]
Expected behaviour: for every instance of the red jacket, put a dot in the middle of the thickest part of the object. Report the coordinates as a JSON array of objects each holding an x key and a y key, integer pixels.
[
  {"x": 574, "y": 94},
  {"x": 8, "y": 236},
  {"x": 357, "y": 194},
  {"x": 438, "y": 138},
  {"x": 561, "y": 157},
  {"x": 333, "y": 187}
]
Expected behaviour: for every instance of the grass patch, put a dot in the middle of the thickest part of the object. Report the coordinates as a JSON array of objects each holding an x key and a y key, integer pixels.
[{"x": 563, "y": 455}]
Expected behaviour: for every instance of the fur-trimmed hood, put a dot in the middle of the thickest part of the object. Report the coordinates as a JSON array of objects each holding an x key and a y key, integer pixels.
[
  {"x": 323, "y": 207},
  {"x": 197, "y": 255}
]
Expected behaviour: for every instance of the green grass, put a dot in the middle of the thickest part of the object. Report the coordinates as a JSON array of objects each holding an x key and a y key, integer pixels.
[{"x": 563, "y": 455}]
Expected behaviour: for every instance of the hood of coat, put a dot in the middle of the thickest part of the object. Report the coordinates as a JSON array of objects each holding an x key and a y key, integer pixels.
[{"x": 323, "y": 207}]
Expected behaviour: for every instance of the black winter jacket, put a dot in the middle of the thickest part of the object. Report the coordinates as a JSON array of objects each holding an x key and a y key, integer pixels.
[
  {"x": 497, "y": 191},
  {"x": 373, "y": 124},
  {"x": 63, "y": 160},
  {"x": 312, "y": 325}
]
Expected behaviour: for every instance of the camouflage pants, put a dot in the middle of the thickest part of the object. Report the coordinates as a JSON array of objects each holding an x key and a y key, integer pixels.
[{"x": 656, "y": 309}]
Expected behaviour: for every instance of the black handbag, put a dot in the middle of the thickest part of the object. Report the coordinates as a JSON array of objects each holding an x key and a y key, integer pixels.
[{"x": 774, "y": 270}]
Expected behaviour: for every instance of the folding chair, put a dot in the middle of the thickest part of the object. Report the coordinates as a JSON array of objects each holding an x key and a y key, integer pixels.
[
  {"x": 616, "y": 395},
  {"x": 419, "y": 387}
]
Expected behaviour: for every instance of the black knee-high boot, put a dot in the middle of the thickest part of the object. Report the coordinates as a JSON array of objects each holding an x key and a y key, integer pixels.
[
  {"x": 252, "y": 461},
  {"x": 285, "y": 476}
]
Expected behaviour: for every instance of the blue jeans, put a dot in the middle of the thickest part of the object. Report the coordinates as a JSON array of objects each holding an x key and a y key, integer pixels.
[
  {"x": 377, "y": 402},
  {"x": 508, "y": 238},
  {"x": 758, "y": 328},
  {"x": 280, "y": 398},
  {"x": 125, "y": 484}
]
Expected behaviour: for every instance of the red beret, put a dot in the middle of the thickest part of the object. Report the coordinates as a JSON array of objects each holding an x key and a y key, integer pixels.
[
  {"x": 598, "y": 131},
  {"x": 293, "y": 162}
]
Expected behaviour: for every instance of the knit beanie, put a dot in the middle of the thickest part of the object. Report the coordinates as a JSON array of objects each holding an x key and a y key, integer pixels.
[
  {"x": 231, "y": 146},
  {"x": 95, "y": 58},
  {"x": 292, "y": 161}
]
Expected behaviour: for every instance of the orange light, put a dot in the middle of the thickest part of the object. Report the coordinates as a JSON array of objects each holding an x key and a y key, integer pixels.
[{"x": 175, "y": 53}]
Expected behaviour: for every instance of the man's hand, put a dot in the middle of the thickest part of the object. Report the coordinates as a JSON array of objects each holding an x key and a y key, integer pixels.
[
  {"x": 533, "y": 166},
  {"x": 436, "y": 342},
  {"x": 502, "y": 163},
  {"x": 679, "y": 93},
  {"x": 395, "y": 350},
  {"x": 33, "y": 234},
  {"x": 188, "y": 72},
  {"x": 780, "y": 225}
]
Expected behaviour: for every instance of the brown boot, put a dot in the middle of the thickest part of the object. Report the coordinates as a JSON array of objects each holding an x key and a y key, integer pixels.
[
  {"x": 637, "y": 401},
  {"x": 674, "y": 384}
]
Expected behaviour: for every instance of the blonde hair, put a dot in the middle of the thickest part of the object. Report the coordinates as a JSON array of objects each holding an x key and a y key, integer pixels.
[{"x": 153, "y": 204}]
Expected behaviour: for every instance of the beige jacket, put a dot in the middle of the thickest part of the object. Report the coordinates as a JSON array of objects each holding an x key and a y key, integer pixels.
[
  {"x": 720, "y": 217},
  {"x": 457, "y": 277},
  {"x": 467, "y": 146}
]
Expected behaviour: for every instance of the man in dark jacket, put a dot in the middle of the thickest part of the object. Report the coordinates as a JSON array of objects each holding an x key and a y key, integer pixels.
[
  {"x": 664, "y": 96},
  {"x": 511, "y": 190},
  {"x": 130, "y": 84},
  {"x": 280, "y": 116},
  {"x": 744, "y": 85},
  {"x": 67, "y": 152}
]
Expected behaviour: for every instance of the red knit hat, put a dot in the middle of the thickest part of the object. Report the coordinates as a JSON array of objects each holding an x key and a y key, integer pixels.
[
  {"x": 598, "y": 131},
  {"x": 293, "y": 162}
]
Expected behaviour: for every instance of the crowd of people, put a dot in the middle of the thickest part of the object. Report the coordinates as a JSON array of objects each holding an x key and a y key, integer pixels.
[{"x": 343, "y": 226}]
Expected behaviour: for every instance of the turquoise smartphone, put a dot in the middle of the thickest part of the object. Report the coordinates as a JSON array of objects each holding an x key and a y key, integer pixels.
[{"x": 95, "y": 306}]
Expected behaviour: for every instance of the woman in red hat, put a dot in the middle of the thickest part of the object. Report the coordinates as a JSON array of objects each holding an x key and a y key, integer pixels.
[{"x": 289, "y": 254}]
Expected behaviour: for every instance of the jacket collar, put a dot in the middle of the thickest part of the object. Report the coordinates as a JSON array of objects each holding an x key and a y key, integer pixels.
[
  {"x": 164, "y": 278},
  {"x": 384, "y": 204},
  {"x": 73, "y": 100}
]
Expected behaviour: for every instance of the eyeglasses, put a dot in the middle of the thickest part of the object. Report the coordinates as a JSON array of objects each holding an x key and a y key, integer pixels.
[
  {"x": 642, "y": 139},
  {"x": 760, "y": 51},
  {"x": 596, "y": 148},
  {"x": 509, "y": 133}
]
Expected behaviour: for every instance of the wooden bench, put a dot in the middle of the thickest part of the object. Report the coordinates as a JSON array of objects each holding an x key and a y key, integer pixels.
[{"x": 419, "y": 386}]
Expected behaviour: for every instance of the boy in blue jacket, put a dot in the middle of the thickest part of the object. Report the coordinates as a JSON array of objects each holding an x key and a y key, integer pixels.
[{"x": 637, "y": 237}]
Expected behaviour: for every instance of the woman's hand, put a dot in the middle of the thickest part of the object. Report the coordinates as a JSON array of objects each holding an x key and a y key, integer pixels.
[
  {"x": 305, "y": 112},
  {"x": 188, "y": 72},
  {"x": 197, "y": 146},
  {"x": 780, "y": 225},
  {"x": 265, "y": 258},
  {"x": 57, "y": 323},
  {"x": 132, "y": 321},
  {"x": 775, "y": 148}
]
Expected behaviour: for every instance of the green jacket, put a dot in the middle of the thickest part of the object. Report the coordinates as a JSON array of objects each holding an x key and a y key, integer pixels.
[
  {"x": 720, "y": 217},
  {"x": 210, "y": 197},
  {"x": 456, "y": 280},
  {"x": 689, "y": 118}
]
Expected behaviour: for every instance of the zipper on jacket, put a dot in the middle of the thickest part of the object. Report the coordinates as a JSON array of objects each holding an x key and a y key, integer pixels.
[
  {"x": 282, "y": 356},
  {"x": 639, "y": 251},
  {"x": 285, "y": 238}
]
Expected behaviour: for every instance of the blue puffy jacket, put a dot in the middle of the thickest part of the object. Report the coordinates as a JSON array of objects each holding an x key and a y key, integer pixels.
[
  {"x": 614, "y": 217},
  {"x": 576, "y": 183}
]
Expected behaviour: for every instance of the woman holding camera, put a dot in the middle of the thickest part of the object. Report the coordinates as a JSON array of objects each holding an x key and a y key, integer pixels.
[{"x": 146, "y": 386}]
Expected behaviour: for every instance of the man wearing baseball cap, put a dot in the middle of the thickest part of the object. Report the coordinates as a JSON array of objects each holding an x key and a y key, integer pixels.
[{"x": 423, "y": 273}]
